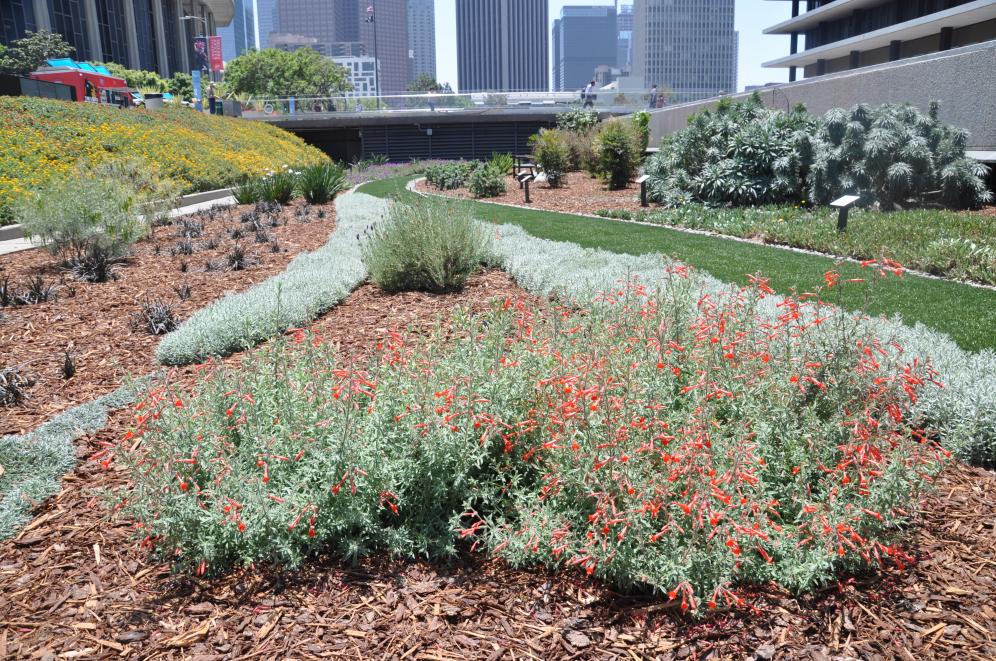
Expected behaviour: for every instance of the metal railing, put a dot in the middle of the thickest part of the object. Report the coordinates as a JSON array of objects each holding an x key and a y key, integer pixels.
[{"x": 307, "y": 107}]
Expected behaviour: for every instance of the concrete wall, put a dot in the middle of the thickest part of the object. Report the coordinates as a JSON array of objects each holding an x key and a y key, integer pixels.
[{"x": 962, "y": 79}]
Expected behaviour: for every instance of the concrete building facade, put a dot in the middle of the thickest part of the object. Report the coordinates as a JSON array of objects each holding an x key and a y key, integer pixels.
[
  {"x": 502, "y": 45},
  {"x": 362, "y": 74},
  {"x": 688, "y": 48},
  {"x": 584, "y": 38},
  {"x": 422, "y": 38},
  {"x": 384, "y": 33},
  {"x": 139, "y": 34},
  {"x": 840, "y": 35}
]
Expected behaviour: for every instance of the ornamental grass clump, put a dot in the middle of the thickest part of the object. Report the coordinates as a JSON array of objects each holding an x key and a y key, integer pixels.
[
  {"x": 659, "y": 437},
  {"x": 424, "y": 245},
  {"x": 321, "y": 182}
]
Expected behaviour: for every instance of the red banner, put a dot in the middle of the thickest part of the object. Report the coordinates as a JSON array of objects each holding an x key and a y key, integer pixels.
[{"x": 214, "y": 52}]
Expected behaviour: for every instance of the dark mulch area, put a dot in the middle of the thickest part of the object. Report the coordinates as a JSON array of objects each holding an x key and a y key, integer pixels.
[
  {"x": 580, "y": 195},
  {"x": 93, "y": 322},
  {"x": 74, "y": 582}
]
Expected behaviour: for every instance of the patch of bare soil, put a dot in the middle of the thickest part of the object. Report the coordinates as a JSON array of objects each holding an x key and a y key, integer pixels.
[{"x": 95, "y": 322}]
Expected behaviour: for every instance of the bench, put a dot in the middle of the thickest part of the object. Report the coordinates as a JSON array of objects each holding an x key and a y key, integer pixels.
[{"x": 642, "y": 180}]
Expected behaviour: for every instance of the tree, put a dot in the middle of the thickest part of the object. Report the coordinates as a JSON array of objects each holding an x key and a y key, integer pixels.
[
  {"x": 276, "y": 73},
  {"x": 181, "y": 86},
  {"x": 136, "y": 78},
  {"x": 426, "y": 83},
  {"x": 29, "y": 53}
]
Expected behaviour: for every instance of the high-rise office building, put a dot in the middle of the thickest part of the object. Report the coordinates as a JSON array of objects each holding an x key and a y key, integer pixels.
[
  {"x": 140, "y": 34},
  {"x": 502, "y": 45},
  {"x": 240, "y": 35},
  {"x": 584, "y": 38},
  {"x": 846, "y": 35},
  {"x": 688, "y": 48},
  {"x": 624, "y": 30},
  {"x": 422, "y": 37},
  {"x": 266, "y": 19},
  {"x": 383, "y": 29},
  {"x": 327, "y": 21}
]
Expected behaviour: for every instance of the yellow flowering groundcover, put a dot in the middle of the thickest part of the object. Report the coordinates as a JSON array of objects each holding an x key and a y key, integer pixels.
[{"x": 44, "y": 138}]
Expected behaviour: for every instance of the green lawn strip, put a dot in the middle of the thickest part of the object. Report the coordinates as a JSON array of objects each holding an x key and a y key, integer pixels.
[{"x": 966, "y": 313}]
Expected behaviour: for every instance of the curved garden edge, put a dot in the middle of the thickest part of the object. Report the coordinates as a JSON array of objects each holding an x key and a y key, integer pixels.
[{"x": 412, "y": 186}]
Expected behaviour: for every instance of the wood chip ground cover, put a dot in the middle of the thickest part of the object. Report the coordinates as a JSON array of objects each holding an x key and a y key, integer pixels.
[
  {"x": 94, "y": 321},
  {"x": 74, "y": 583}
]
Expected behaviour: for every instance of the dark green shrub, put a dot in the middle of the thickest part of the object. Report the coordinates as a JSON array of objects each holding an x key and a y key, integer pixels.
[
  {"x": 738, "y": 154},
  {"x": 618, "y": 153},
  {"x": 425, "y": 245},
  {"x": 577, "y": 120},
  {"x": 895, "y": 156},
  {"x": 277, "y": 186},
  {"x": 320, "y": 183},
  {"x": 247, "y": 191},
  {"x": 641, "y": 124},
  {"x": 552, "y": 155},
  {"x": 502, "y": 162},
  {"x": 449, "y": 176},
  {"x": 487, "y": 181}
]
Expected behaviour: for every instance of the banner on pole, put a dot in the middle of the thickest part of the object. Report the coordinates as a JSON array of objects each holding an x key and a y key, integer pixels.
[
  {"x": 201, "y": 53},
  {"x": 214, "y": 53},
  {"x": 195, "y": 78}
]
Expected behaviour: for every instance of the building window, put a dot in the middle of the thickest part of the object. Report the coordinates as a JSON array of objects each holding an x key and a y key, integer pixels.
[
  {"x": 69, "y": 19},
  {"x": 170, "y": 35},
  {"x": 148, "y": 53},
  {"x": 16, "y": 16},
  {"x": 110, "y": 17}
]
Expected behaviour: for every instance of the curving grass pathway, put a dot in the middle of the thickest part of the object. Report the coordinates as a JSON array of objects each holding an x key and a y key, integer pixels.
[{"x": 967, "y": 314}]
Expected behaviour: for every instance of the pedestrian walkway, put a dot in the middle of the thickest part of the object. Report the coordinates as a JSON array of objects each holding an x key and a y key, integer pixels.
[{"x": 16, "y": 245}]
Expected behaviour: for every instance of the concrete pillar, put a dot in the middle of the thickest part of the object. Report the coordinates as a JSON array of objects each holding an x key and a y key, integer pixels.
[
  {"x": 855, "y": 61},
  {"x": 93, "y": 31},
  {"x": 131, "y": 35},
  {"x": 182, "y": 32},
  {"x": 42, "y": 20},
  {"x": 895, "y": 50},
  {"x": 947, "y": 38},
  {"x": 163, "y": 55}
]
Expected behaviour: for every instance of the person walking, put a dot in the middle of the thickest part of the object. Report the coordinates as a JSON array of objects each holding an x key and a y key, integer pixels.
[
  {"x": 653, "y": 97},
  {"x": 588, "y": 96}
]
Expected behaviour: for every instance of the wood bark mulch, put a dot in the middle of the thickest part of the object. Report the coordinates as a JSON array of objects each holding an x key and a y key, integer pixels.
[
  {"x": 76, "y": 585},
  {"x": 580, "y": 195},
  {"x": 94, "y": 321}
]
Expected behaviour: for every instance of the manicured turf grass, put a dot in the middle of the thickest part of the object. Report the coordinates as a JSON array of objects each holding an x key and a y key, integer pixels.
[{"x": 967, "y": 314}]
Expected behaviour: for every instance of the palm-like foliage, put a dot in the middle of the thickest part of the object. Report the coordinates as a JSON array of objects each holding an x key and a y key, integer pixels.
[
  {"x": 745, "y": 154},
  {"x": 740, "y": 153},
  {"x": 893, "y": 156}
]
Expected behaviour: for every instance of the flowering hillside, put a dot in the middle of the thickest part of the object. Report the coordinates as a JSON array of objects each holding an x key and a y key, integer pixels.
[{"x": 42, "y": 138}]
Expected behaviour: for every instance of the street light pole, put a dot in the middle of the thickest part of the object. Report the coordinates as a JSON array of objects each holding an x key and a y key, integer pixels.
[{"x": 371, "y": 19}]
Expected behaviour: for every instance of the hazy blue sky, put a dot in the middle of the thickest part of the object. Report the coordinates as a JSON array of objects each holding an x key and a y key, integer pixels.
[{"x": 752, "y": 17}]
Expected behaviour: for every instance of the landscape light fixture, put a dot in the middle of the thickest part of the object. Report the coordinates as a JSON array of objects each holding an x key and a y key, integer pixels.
[{"x": 843, "y": 205}]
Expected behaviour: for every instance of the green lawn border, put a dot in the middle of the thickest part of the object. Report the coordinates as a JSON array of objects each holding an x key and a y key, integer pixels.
[{"x": 964, "y": 312}]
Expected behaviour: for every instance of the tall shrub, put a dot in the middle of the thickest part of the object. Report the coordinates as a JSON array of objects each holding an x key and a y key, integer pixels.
[
  {"x": 618, "y": 153},
  {"x": 551, "y": 153}
]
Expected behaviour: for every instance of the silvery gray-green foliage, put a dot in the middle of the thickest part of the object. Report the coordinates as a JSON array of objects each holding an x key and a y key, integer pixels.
[
  {"x": 34, "y": 463},
  {"x": 962, "y": 409},
  {"x": 740, "y": 153},
  {"x": 892, "y": 155},
  {"x": 312, "y": 283}
]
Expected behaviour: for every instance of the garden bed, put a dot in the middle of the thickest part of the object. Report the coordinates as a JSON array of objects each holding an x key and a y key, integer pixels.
[
  {"x": 73, "y": 581},
  {"x": 581, "y": 194},
  {"x": 94, "y": 322}
]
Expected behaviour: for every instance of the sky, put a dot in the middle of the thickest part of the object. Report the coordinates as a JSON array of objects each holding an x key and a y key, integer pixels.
[{"x": 752, "y": 16}]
